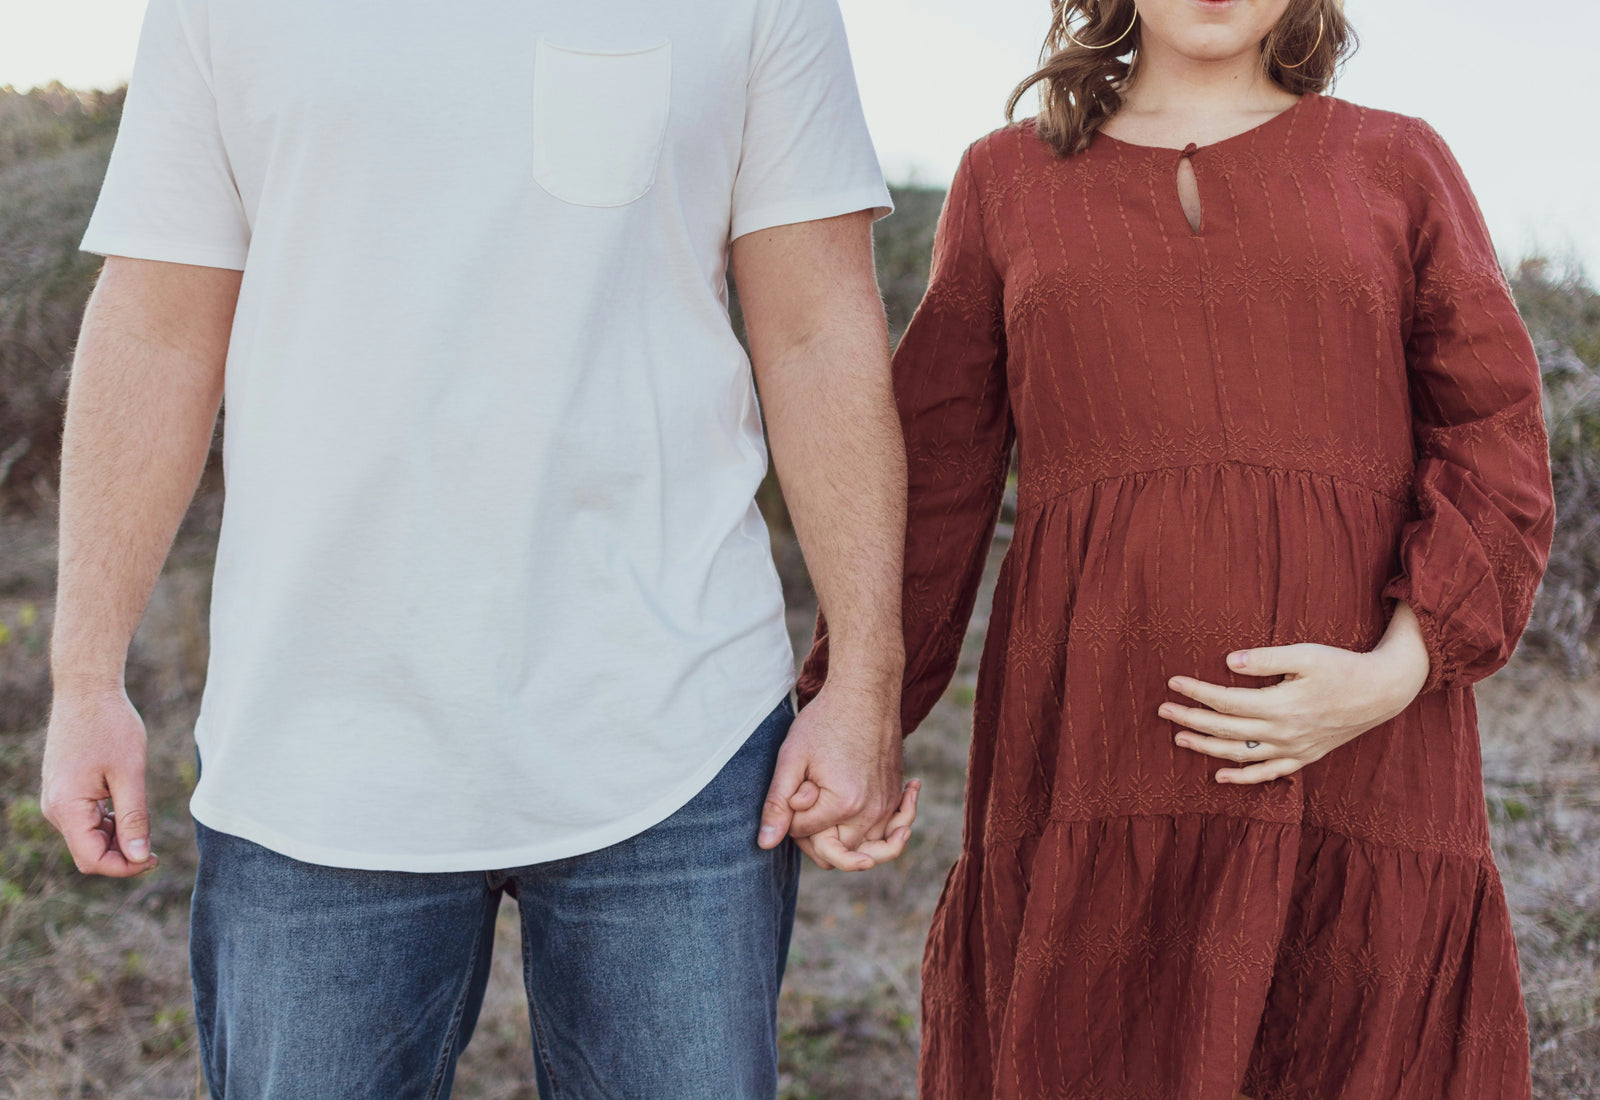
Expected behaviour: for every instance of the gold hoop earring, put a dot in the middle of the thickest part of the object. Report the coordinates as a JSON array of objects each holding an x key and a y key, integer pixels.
[
  {"x": 1066, "y": 29},
  {"x": 1322, "y": 28}
]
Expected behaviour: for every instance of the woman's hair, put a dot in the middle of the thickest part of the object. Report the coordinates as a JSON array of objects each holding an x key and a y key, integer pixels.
[{"x": 1082, "y": 87}]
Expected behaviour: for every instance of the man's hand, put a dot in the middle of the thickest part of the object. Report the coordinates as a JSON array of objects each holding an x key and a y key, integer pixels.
[
  {"x": 837, "y": 786},
  {"x": 95, "y": 751},
  {"x": 1327, "y": 697}
]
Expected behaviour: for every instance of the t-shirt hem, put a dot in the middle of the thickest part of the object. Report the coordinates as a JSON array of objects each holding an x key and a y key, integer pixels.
[
  {"x": 590, "y": 840},
  {"x": 163, "y": 250},
  {"x": 815, "y": 208}
]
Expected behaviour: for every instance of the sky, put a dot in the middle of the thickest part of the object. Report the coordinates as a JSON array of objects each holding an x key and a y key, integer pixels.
[{"x": 1517, "y": 98}]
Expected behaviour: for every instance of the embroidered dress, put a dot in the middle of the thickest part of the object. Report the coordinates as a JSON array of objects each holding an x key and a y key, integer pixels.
[{"x": 1254, "y": 434}]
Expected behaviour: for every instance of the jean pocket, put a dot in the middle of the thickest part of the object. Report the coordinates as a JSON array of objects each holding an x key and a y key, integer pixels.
[{"x": 599, "y": 120}]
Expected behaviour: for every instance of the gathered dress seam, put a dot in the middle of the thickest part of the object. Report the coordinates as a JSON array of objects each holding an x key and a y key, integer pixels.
[
  {"x": 1225, "y": 463},
  {"x": 1004, "y": 838}
]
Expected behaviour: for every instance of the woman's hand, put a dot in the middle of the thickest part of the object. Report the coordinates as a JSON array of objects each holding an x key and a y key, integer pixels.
[{"x": 1326, "y": 698}]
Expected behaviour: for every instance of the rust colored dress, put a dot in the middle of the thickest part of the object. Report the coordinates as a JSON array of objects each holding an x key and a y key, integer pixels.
[{"x": 1261, "y": 433}]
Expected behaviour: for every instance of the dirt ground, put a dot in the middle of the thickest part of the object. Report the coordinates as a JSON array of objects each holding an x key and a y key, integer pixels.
[{"x": 94, "y": 995}]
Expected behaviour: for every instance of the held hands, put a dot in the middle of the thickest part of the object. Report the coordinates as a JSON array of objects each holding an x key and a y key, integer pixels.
[
  {"x": 1327, "y": 698},
  {"x": 837, "y": 786},
  {"x": 94, "y": 752}
]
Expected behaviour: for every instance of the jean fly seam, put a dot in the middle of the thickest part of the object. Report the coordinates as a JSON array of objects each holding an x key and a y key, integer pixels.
[{"x": 443, "y": 1060}]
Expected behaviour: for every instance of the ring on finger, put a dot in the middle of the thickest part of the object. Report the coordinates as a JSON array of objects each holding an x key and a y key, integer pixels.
[{"x": 1252, "y": 745}]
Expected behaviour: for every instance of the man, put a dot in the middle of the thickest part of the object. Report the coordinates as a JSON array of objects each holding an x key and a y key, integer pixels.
[{"x": 494, "y": 611}]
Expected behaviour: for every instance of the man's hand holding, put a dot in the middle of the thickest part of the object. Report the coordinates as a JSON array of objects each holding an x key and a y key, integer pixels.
[
  {"x": 837, "y": 787},
  {"x": 819, "y": 344}
]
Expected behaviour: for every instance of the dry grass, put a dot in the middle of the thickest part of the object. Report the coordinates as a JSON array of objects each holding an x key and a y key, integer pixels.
[{"x": 1542, "y": 772}]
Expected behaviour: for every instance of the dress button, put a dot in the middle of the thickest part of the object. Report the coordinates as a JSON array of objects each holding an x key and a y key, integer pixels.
[{"x": 1191, "y": 149}]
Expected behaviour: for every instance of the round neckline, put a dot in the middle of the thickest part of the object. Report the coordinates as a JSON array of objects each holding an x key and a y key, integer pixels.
[{"x": 1192, "y": 149}]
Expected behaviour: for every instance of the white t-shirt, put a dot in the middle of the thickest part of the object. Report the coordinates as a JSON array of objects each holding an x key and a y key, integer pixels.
[{"x": 492, "y": 588}]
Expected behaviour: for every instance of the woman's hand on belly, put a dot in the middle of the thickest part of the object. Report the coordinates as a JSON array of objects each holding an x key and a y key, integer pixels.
[{"x": 1327, "y": 697}]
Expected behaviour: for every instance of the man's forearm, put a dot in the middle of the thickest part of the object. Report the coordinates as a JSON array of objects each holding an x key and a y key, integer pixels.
[
  {"x": 141, "y": 409},
  {"x": 820, "y": 347},
  {"x": 840, "y": 456}
]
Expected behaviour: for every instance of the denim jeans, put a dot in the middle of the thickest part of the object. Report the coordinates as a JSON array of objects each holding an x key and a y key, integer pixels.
[{"x": 652, "y": 967}]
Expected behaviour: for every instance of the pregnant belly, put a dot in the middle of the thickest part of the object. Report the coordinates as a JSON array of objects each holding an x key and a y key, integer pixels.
[{"x": 1110, "y": 591}]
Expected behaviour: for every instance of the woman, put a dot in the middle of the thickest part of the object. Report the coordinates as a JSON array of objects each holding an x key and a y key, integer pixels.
[{"x": 1283, "y": 496}]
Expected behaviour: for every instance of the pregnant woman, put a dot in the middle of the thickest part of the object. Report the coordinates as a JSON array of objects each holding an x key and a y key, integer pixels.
[{"x": 1283, "y": 497}]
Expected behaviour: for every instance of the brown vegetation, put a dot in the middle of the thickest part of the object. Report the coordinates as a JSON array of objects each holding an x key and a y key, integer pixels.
[
  {"x": 54, "y": 145},
  {"x": 1563, "y": 312}
]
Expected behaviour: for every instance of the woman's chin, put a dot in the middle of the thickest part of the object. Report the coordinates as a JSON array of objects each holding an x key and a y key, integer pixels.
[
  {"x": 1212, "y": 47},
  {"x": 1210, "y": 30}
]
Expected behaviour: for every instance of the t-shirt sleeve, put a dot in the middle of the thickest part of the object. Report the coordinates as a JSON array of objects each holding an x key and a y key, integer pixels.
[
  {"x": 807, "y": 154},
  {"x": 169, "y": 193}
]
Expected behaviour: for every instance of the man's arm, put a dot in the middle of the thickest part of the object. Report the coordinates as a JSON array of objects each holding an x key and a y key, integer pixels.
[
  {"x": 146, "y": 385},
  {"x": 820, "y": 349}
]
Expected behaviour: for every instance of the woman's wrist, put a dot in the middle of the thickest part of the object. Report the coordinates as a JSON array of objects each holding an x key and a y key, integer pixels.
[{"x": 1402, "y": 654}]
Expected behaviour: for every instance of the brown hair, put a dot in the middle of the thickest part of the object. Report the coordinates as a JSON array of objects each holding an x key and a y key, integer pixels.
[{"x": 1082, "y": 86}]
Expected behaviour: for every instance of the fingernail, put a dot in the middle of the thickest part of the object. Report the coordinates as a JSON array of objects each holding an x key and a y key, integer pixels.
[
  {"x": 138, "y": 849},
  {"x": 1237, "y": 660},
  {"x": 767, "y": 833}
]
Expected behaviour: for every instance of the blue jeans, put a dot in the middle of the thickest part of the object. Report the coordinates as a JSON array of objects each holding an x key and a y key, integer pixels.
[{"x": 652, "y": 966}]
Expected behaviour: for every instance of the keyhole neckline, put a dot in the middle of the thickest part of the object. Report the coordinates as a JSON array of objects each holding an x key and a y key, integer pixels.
[{"x": 1187, "y": 183}]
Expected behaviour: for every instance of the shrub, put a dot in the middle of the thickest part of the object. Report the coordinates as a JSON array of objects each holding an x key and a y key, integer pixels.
[
  {"x": 1563, "y": 313},
  {"x": 54, "y": 145}
]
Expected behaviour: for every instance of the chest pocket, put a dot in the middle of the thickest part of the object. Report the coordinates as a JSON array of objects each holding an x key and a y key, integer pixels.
[{"x": 599, "y": 119}]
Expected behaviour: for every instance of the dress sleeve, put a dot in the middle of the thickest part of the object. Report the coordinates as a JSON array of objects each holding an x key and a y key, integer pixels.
[
  {"x": 950, "y": 386},
  {"x": 1472, "y": 559}
]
